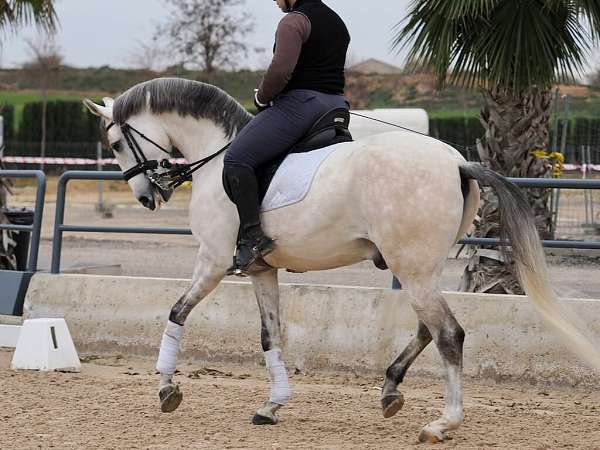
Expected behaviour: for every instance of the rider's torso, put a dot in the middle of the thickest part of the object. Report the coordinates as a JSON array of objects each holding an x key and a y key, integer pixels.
[{"x": 321, "y": 63}]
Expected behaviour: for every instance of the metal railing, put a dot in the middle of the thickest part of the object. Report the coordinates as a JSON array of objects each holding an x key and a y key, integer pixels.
[
  {"x": 548, "y": 183},
  {"x": 36, "y": 228},
  {"x": 60, "y": 227}
]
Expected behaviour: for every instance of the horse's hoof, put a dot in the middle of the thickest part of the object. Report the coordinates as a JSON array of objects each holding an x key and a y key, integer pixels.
[
  {"x": 170, "y": 398},
  {"x": 391, "y": 404},
  {"x": 428, "y": 436},
  {"x": 264, "y": 420}
]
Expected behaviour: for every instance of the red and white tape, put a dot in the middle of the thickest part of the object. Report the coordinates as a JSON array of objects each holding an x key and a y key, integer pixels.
[
  {"x": 584, "y": 168},
  {"x": 68, "y": 161}
]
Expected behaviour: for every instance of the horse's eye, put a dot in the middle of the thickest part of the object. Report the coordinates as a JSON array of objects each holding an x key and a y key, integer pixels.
[{"x": 116, "y": 146}]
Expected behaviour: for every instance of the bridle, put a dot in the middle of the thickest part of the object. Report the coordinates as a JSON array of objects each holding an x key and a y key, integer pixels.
[{"x": 176, "y": 174}]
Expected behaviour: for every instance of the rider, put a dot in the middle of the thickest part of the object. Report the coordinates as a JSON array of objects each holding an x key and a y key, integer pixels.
[{"x": 304, "y": 81}]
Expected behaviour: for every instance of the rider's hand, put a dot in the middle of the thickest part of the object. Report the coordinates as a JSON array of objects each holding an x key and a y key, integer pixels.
[{"x": 259, "y": 105}]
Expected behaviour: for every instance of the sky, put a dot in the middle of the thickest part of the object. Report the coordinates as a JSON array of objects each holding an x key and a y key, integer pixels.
[
  {"x": 95, "y": 33},
  {"x": 108, "y": 32}
]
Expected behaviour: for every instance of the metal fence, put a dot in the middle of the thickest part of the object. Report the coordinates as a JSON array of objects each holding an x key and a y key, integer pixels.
[
  {"x": 559, "y": 184},
  {"x": 36, "y": 228},
  {"x": 60, "y": 227}
]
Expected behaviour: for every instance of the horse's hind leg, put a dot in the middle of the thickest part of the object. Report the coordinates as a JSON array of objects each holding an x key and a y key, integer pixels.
[
  {"x": 266, "y": 288},
  {"x": 433, "y": 311},
  {"x": 207, "y": 276},
  {"x": 391, "y": 399}
]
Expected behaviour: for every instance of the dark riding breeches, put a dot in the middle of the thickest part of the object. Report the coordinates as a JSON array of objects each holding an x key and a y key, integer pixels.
[{"x": 276, "y": 129}]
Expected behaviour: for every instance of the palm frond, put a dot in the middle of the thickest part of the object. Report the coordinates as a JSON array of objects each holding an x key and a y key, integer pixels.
[
  {"x": 18, "y": 13},
  {"x": 512, "y": 44}
]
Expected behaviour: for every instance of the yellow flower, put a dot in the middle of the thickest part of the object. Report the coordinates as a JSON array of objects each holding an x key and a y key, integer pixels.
[{"x": 557, "y": 160}]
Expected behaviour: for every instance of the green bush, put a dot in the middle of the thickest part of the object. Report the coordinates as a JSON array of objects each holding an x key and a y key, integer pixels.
[
  {"x": 382, "y": 98},
  {"x": 459, "y": 131},
  {"x": 66, "y": 121},
  {"x": 8, "y": 113},
  {"x": 584, "y": 131}
]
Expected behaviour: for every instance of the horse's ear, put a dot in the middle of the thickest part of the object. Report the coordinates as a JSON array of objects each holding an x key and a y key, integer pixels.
[
  {"x": 108, "y": 101},
  {"x": 97, "y": 110}
]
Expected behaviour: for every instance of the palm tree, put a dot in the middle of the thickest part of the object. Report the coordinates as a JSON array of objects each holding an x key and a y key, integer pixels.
[
  {"x": 13, "y": 15},
  {"x": 17, "y": 13},
  {"x": 514, "y": 51}
]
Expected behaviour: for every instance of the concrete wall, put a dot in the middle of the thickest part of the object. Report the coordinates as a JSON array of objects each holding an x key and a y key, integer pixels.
[{"x": 324, "y": 327}]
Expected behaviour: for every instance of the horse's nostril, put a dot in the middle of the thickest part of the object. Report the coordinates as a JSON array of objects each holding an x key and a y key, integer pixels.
[{"x": 148, "y": 202}]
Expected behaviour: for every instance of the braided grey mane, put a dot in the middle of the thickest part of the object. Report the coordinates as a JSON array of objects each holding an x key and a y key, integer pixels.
[{"x": 186, "y": 98}]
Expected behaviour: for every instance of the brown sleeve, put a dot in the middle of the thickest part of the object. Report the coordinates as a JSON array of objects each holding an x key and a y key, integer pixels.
[{"x": 293, "y": 31}]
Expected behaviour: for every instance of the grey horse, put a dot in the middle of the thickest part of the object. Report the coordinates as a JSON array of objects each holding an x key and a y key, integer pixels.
[{"x": 397, "y": 197}]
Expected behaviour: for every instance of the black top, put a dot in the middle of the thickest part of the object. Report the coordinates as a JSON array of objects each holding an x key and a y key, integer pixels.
[{"x": 323, "y": 56}]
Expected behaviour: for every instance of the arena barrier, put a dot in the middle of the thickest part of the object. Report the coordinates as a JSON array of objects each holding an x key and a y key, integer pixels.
[{"x": 350, "y": 329}]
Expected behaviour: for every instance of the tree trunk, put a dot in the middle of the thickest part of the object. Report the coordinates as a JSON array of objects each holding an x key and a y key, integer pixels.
[{"x": 515, "y": 127}]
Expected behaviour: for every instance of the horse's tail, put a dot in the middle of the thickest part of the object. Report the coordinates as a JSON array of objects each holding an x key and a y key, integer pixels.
[{"x": 517, "y": 225}]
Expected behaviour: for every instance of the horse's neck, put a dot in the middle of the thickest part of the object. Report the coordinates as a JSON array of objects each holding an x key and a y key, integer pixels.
[{"x": 195, "y": 138}]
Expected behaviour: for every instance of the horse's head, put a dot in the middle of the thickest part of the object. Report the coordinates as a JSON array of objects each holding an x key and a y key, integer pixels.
[{"x": 138, "y": 145}]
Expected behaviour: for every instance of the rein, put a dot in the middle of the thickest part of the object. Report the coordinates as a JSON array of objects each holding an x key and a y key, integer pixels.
[
  {"x": 453, "y": 144},
  {"x": 175, "y": 176}
]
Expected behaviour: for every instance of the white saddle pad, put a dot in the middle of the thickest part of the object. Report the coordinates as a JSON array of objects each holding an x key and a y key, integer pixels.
[{"x": 294, "y": 177}]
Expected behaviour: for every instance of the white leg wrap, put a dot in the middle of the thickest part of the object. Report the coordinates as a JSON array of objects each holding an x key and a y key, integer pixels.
[
  {"x": 280, "y": 387},
  {"x": 169, "y": 348}
]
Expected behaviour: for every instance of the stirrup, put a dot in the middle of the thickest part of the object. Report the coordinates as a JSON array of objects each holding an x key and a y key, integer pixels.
[
  {"x": 256, "y": 251},
  {"x": 236, "y": 271}
]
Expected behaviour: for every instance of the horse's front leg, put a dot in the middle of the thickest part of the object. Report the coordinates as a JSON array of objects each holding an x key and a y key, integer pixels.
[
  {"x": 207, "y": 275},
  {"x": 266, "y": 288}
]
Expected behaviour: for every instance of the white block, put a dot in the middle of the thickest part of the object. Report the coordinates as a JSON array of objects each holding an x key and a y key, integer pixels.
[
  {"x": 9, "y": 335},
  {"x": 45, "y": 344}
]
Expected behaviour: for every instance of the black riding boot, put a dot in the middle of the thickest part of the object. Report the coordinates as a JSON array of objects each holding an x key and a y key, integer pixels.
[{"x": 242, "y": 188}]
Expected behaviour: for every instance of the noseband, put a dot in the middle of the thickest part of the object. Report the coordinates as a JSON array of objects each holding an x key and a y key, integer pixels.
[{"x": 176, "y": 174}]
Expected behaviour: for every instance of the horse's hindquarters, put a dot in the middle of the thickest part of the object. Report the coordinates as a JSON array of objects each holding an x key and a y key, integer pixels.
[{"x": 412, "y": 200}]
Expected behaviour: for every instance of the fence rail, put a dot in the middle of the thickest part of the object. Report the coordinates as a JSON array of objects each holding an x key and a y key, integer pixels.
[
  {"x": 60, "y": 227},
  {"x": 36, "y": 228}
]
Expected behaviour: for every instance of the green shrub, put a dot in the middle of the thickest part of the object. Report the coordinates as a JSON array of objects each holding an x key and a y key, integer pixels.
[
  {"x": 382, "y": 98},
  {"x": 582, "y": 131},
  {"x": 459, "y": 131},
  {"x": 66, "y": 121},
  {"x": 8, "y": 113}
]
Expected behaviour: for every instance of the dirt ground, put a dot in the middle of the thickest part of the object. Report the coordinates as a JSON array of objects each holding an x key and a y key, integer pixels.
[{"x": 112, "y": 404}]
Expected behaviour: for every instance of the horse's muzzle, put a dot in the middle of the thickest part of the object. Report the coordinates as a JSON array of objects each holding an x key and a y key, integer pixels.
[{"x": 148, "y": 201}]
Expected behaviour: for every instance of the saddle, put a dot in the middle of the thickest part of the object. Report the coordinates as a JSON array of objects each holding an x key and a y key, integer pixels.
[{"x": 331, "y": 128}]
